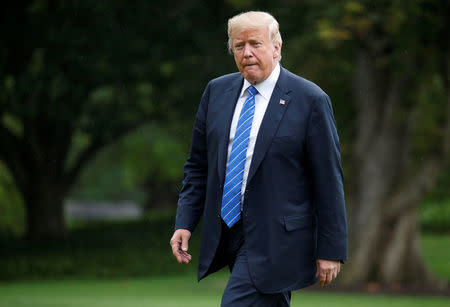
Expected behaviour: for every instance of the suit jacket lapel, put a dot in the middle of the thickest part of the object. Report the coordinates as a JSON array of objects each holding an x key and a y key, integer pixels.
[
  {"x": 226, "y": 107},
  {"x": 271, "y": 120}
]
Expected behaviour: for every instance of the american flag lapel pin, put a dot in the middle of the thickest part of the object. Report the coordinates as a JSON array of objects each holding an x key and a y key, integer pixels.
[{"x": 282, "y": 102}]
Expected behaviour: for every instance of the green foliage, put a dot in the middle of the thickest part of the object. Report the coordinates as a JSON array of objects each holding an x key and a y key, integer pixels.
[
  {"x": 153, "y": 151},
  {"x": 13, "y": 124},
  {"x": 110, "y": 249},
  {"x": 242, "y": 4},
  {"x": 429, "y": 116},
  {"x": 441, "y": 191},
  {"x": 149, "y": 153},
  {"x": 12, "y": 213},
  {"x": 434, "y": 211},
  {"x": 435, "y": 216}
]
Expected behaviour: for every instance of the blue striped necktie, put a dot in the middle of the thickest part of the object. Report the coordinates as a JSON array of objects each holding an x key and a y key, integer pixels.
[{"x": 231, "y": 199}]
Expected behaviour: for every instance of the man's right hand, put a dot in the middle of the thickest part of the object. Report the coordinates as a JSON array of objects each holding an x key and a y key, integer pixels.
[{"x": 179, "y": 243}]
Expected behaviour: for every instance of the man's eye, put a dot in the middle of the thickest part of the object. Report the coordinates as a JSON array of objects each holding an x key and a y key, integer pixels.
[{"x": 238, "y": 47}]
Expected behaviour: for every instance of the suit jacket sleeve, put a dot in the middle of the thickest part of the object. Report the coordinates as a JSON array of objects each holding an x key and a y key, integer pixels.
[
  {"x": 327, "y": 180},
  {"x": 192, "y": 194}
]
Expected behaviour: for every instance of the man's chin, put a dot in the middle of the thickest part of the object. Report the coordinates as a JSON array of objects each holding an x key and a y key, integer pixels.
[{"x": 253, "y": 79}]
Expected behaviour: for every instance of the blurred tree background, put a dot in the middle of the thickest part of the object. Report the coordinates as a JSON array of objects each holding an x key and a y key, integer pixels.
[{"x": 97, "y": 101}]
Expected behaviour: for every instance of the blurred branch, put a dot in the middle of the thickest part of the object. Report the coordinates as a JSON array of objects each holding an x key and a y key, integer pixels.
[
  {"x": 82, "y": 159},
  {"x": 91, "y": 150},
  {"x": 11, "y": 151},
  {"x": 447, "y": 88},
  {"x": 412, "y": 190},
  {"x": 9, "y": 144}
]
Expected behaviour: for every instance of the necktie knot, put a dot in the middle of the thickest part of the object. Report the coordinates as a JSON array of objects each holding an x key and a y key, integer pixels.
[{"x": 252, "y": 90}]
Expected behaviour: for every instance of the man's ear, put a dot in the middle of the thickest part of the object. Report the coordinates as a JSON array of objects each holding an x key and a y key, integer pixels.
[{"x": 277, "y": 50}]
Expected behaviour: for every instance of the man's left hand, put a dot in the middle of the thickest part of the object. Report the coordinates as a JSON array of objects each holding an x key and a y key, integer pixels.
[{"x": 327, "y": 270}]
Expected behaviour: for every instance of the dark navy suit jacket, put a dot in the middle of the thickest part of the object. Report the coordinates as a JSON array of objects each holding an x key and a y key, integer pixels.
[{"x": 294, "y": 208}]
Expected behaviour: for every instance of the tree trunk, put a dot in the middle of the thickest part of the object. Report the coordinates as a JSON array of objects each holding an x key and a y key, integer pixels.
[
  {"x": 386, "y": 187},
  {"x": 45, "y": 212},
  {"x": 387, "y": 250},
  {"x": 401, "y": 258}
]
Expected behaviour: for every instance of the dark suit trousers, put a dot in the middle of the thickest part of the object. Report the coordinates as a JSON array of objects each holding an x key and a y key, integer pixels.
[{"x": 240, "y": 291}]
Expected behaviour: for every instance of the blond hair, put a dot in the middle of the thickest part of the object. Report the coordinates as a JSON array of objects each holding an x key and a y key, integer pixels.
[{"x": 253, "y": 20}]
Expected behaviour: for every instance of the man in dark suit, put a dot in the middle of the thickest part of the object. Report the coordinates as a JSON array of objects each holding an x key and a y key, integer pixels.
[{"x": 264, "y": 171}]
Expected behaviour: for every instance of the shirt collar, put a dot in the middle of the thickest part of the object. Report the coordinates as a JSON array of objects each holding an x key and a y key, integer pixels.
[{"x": 266, "y": 87}]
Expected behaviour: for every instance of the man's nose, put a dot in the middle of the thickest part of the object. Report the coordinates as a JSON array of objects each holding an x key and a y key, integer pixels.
[{"x": 247, "y": 51}]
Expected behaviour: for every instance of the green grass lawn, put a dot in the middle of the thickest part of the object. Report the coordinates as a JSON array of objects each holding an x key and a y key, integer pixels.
[
  {"x": 436, "y": 251},
  {"x": 174, "y": 291}
]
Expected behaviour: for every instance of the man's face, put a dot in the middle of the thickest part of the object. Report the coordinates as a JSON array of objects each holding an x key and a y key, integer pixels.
[{"x": 254, "y": 54}]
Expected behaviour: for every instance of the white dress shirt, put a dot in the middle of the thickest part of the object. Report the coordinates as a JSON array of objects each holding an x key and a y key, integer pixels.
[{"x": 262, "y": 99}]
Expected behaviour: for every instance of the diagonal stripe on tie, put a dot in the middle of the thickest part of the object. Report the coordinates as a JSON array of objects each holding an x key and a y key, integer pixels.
[
  {"x": 236, "y": 177},
  {"x": 231, "y": 197},
  {"x": 237, "y": 153}
]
